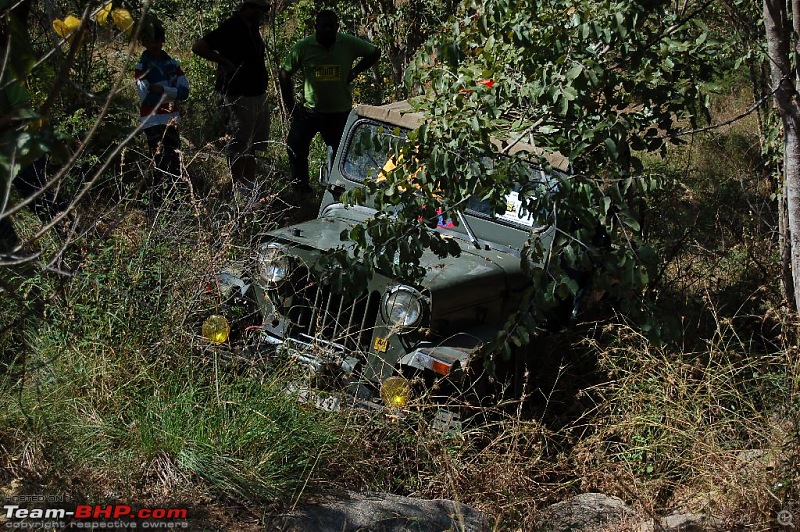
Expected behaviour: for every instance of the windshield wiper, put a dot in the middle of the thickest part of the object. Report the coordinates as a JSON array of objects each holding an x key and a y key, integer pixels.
[{"x": 470, "y": 234}]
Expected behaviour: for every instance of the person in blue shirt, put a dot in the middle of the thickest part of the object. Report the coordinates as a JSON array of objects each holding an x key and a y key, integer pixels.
[{"x": 161, "y": 85}]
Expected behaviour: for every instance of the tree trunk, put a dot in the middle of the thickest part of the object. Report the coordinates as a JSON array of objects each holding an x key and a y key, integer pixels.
[
  {"x": 779, "y": 32},
  {"x": 792, "y": 176},
  {"x": 785, "y": 248}
]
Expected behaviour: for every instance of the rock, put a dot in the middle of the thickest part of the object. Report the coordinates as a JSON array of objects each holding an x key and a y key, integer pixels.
[
  {"x": 380, "y": 512},
  {"x": 690, "y": 523},
  {"x": 383, "y": 512},
  {"x": 587, "y": 511}
]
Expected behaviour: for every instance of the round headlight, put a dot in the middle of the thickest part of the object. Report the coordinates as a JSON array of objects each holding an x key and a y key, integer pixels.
[
  {"x": 403, "y": 307},
  {"x": 273, "y": 263}
]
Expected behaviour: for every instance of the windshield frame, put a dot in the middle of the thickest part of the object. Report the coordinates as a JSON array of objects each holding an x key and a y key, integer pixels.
[{"x": 496, "y": 218}]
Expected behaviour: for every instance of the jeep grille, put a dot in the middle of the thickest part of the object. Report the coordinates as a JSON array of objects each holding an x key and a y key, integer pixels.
[{"x": 319, "y": 313}]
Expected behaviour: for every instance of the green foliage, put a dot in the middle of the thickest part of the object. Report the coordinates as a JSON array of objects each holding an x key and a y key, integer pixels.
[
  {"x": 72, "y": 94},
  {"x": 25, "y": 138},
  {"x": 399, "y": 29},
  {"x": 596, "y": 82}
]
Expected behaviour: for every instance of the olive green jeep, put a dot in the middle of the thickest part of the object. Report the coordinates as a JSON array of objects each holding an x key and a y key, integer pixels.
[{"x": 389, "y": 329}]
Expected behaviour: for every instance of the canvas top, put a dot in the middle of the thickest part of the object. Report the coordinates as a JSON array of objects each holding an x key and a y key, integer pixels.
[{"x": 401, "y": 114}]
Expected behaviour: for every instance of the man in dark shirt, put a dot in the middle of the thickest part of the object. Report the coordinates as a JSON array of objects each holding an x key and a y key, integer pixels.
[{"x": 241, "y": 86}]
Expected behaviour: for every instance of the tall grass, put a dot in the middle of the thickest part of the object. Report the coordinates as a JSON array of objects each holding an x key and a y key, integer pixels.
[
  {"x": 107, "y": 381},
  {"x": 672, "y": 428}
]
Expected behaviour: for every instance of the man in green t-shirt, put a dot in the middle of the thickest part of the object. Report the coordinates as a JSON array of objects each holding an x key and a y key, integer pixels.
[{"x": 326, "y": 60}]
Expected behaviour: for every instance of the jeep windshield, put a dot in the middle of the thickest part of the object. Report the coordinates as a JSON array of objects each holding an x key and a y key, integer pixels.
[{"x": 369, "y": 153}]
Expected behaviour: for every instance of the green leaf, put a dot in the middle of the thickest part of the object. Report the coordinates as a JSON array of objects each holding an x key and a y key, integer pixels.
[
  {"x": 606, "y": 203},
  {"x": 611, "y": 146},
  {"x": 574, "y": 72},
  {"x": 570, "y": 93},
  {"x": 523, "y": 335},
  {"x": 563, "y": 108},
  {"x": 631, "y": 222}
]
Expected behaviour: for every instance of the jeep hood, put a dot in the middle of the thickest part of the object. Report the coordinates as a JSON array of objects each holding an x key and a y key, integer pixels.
[{"x": 475, "y": 274}]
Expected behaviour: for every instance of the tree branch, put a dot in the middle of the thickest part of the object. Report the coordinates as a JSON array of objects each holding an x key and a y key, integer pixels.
[{"x": 736, "y": 118}]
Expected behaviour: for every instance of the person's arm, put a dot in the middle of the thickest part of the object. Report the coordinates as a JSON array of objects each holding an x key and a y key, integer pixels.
[
  {"x": 204, "y": 50},
  {"x": 181, "y": 89},
  {"x": 145, "y": 87},
  {"x": 182, "y": 86},
  {"x": 142, "y": 84},
  {"x": 364, "y": 65},
  {"x": 179, "y": 92},
  {"x": 287, "y": 91}
]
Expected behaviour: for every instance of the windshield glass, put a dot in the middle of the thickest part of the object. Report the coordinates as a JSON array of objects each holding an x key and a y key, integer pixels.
[{"x": 371, "y": 146}]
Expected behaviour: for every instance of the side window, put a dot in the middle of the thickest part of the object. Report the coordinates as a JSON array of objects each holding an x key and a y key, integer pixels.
[{"x": 368, "y": 149}]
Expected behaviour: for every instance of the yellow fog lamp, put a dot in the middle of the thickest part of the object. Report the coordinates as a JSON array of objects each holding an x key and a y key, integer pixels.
[
  {"x": 396, "y": 392},
  {"x": 216, "y": 329}
]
